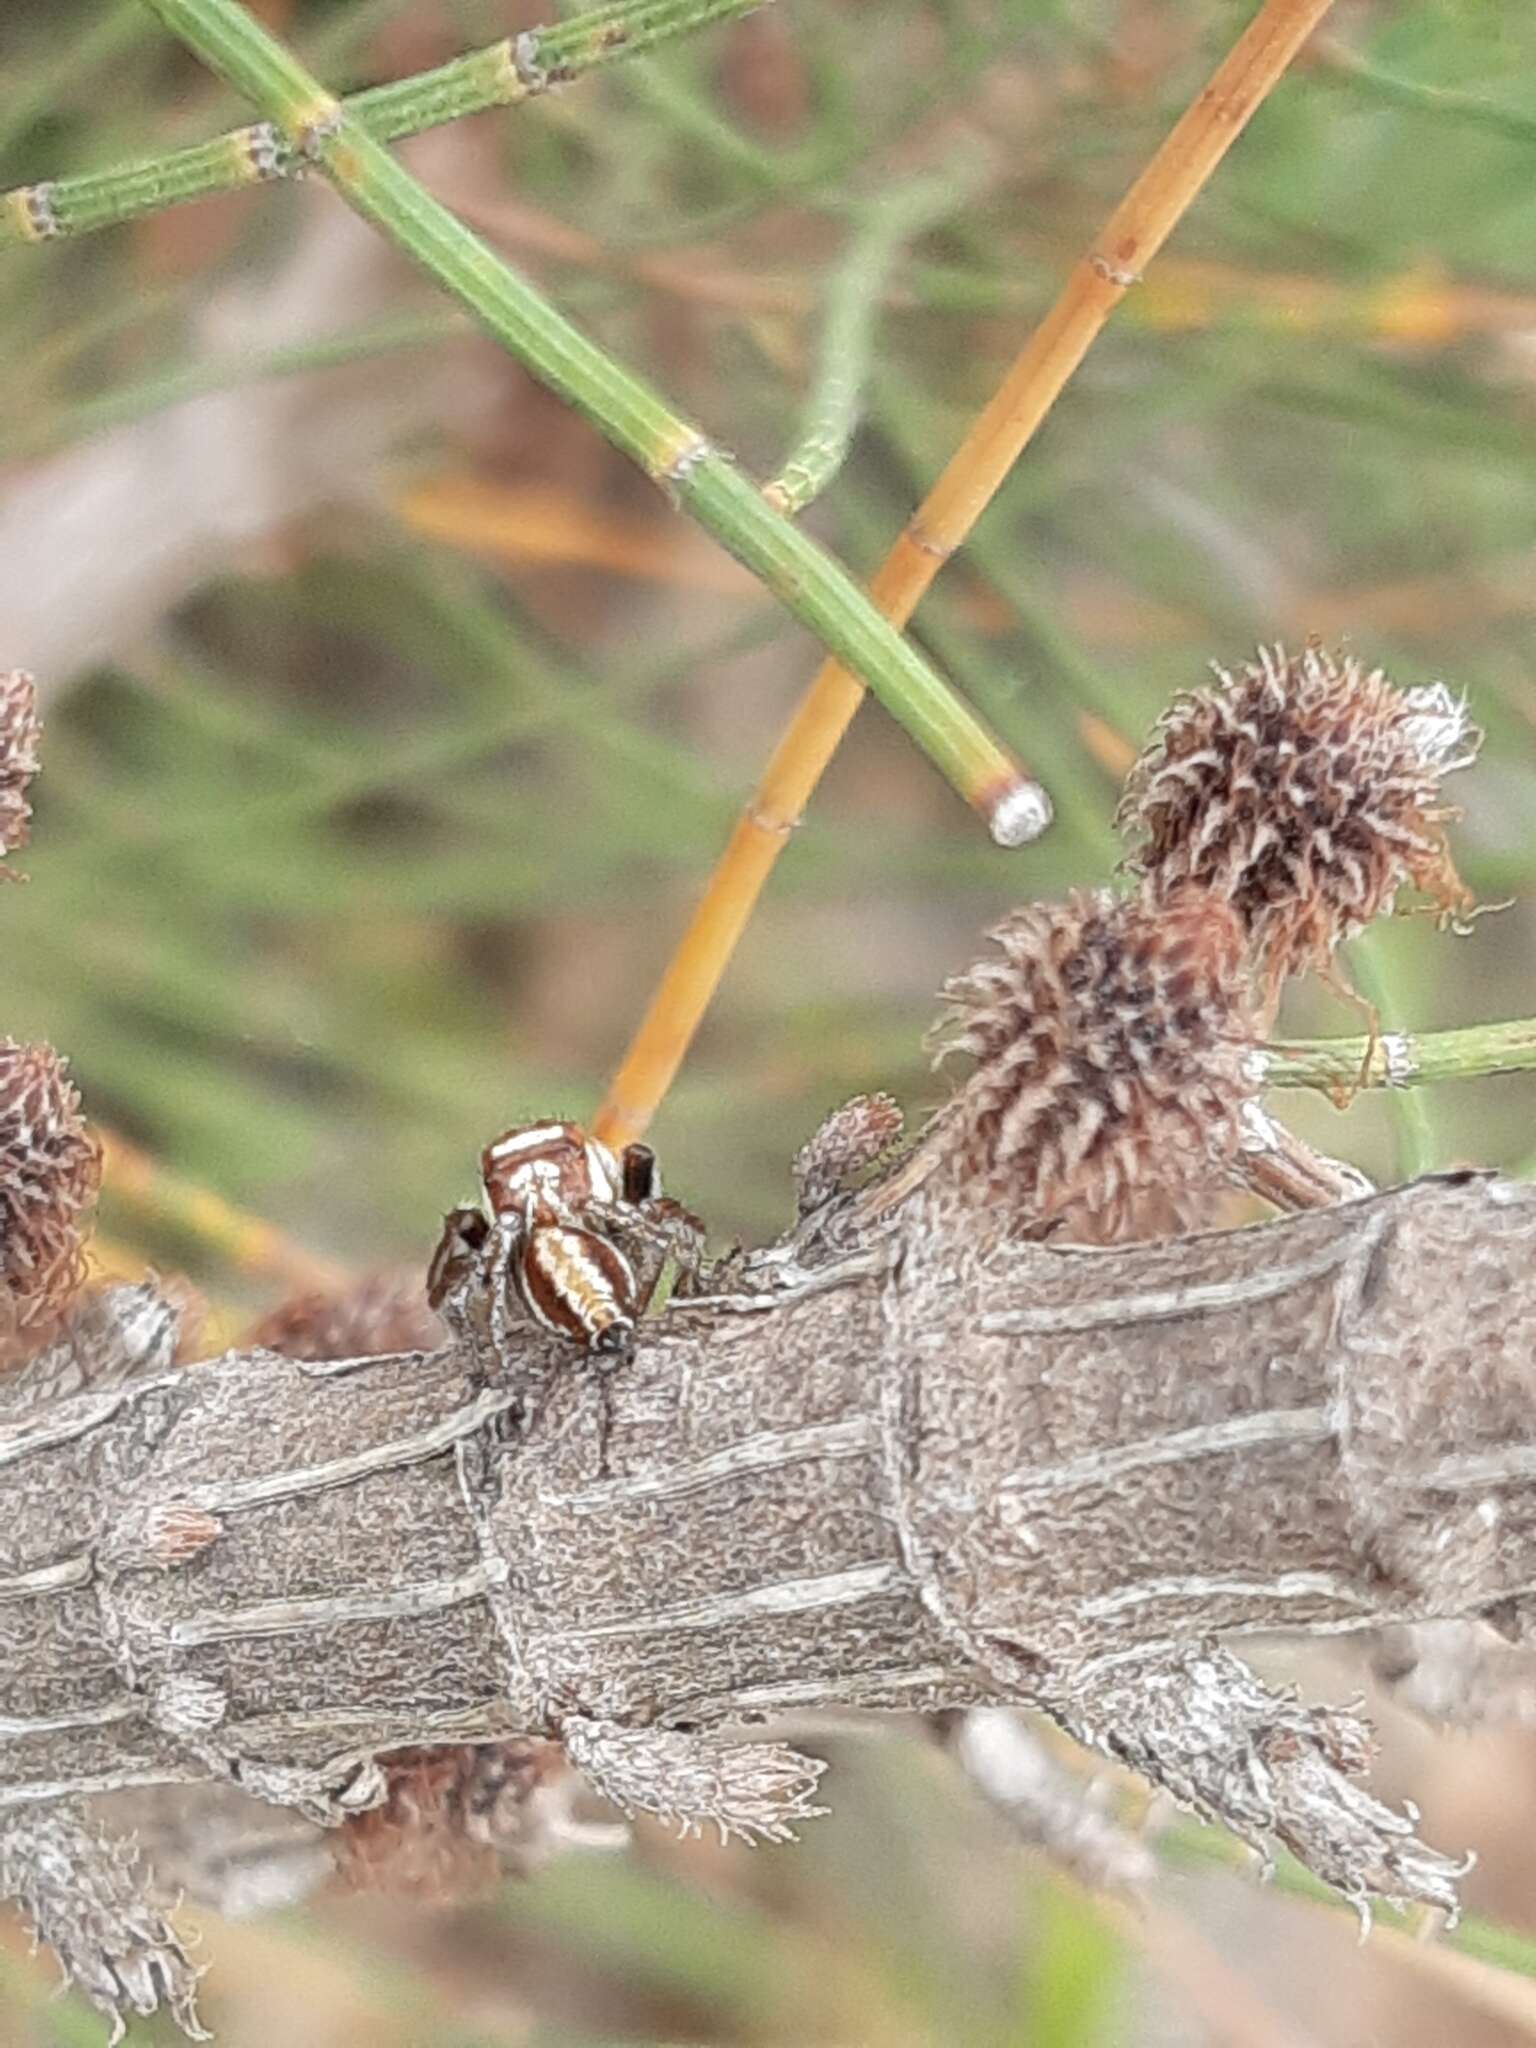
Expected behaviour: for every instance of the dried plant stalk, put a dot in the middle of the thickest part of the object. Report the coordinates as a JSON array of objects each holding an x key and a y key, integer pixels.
[
  {"x": 1128, "y": 241},
  {"x": 928, "y": 1476}
]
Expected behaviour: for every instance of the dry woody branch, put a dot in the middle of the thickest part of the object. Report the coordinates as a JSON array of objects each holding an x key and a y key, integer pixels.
[{"x": 917, "y": 1477}]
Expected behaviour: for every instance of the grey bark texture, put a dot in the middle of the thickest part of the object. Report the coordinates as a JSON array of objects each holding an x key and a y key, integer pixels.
[{"x": 907, "y": 1476}]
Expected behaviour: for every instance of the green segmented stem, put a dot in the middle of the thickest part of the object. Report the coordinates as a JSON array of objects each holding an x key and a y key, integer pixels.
[
  {"x": 854, "y": 302},
  {"x": 701, "y": 478},
  {"x": 501, "y": 75},
  {"x": 1401, "y": 1060}
]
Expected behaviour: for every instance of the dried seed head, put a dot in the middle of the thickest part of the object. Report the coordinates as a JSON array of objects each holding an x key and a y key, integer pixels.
[
  {"x": 19, "y": 729},
  {"x": 1109, "y": 1040},
  {"x": 845, "y": 1148},
  {"x": 1304, "y": 791},
  {"x": 457, "y": 1818},
  {"x": 50, "y": 1170},
  {"x": 382, "y": 1312}
]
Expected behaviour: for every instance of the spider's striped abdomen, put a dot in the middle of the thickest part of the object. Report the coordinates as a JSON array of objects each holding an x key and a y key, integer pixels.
[{"x": 579, "y": 1285}]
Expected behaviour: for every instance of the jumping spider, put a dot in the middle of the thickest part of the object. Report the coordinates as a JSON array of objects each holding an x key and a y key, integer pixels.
[{"x": 568, "y": 1237}]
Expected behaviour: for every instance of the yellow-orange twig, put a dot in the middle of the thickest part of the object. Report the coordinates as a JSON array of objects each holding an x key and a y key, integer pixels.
[
  {"x": 1131, "y": 236},
  {"x": 246, "y": 1243}
]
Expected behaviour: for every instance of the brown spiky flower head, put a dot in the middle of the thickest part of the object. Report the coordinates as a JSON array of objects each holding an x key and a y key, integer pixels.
[
  {"x": 381, "y": 1312},
  {"x": 457, "y": 1818},
  {"x": 50, "y": 1170},
  {"x": 1109, "y": 1041},
  {"x": 1305, "y": 791},
  {"x": 19, "y": 730}
]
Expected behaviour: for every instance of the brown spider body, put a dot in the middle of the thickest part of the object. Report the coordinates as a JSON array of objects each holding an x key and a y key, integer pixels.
[
  {"x": 545, "y": 1185},
  {"x": 567, "y": 1237}
]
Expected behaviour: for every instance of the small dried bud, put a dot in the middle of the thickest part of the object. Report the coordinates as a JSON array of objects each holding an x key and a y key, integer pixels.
[
  {"x": 19, "y": 729},
  {"x": 50, "y": 1170},
  {"x": 1304, "y": 791},
  {"x": 384, "y": 1312},
  {"x": 845, "y": 1148},
  {"x": 173, "y": 1532},
  {"x": 456, "y": 1818},
  {"x": 1109, "y": 1038}
]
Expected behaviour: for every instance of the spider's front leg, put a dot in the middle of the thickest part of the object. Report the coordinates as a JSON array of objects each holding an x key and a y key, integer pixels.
[{"x": 458, "y": 1287}]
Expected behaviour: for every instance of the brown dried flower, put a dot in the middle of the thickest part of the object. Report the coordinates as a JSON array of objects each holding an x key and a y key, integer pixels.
[
  {"x": 1304, "y": 790},
  {"x": 382, "y": 1312},
  {"x": 1109, "y": 1038},
  {"x": 50, "y": 1170},
  {"x": 19, "y": 730},
  {"x": 845, "y": 1148},
  {"x": 457, "y": 1818}
]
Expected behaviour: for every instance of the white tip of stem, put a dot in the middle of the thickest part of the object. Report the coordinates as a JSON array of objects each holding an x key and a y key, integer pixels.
[{"x": 1020, "y": 815}]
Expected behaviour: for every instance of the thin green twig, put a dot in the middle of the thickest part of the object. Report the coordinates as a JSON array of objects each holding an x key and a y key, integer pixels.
[
  {"x": 701, "y": 478},
  {"x": 1374, "y": 975},
  {"x": 847, "y": 341},
  {"x": 501, "y": 75},
  {"x": 1402, "y": 1060},
  {"x": 1348, "y": 67}
]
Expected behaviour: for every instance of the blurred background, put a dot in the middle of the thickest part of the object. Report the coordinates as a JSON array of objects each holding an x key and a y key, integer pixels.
[{"x": 393, "y": 724}]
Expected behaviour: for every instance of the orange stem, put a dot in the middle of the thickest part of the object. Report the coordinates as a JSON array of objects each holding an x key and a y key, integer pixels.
[{"x": 1132, "y": 235}]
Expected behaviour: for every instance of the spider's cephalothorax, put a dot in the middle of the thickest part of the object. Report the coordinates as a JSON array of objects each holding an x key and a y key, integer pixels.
[{"x": 556, "y": 1165}]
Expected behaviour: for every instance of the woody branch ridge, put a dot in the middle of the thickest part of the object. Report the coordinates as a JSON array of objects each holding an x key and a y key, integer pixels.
[{"x": 928, "y": 1480}]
